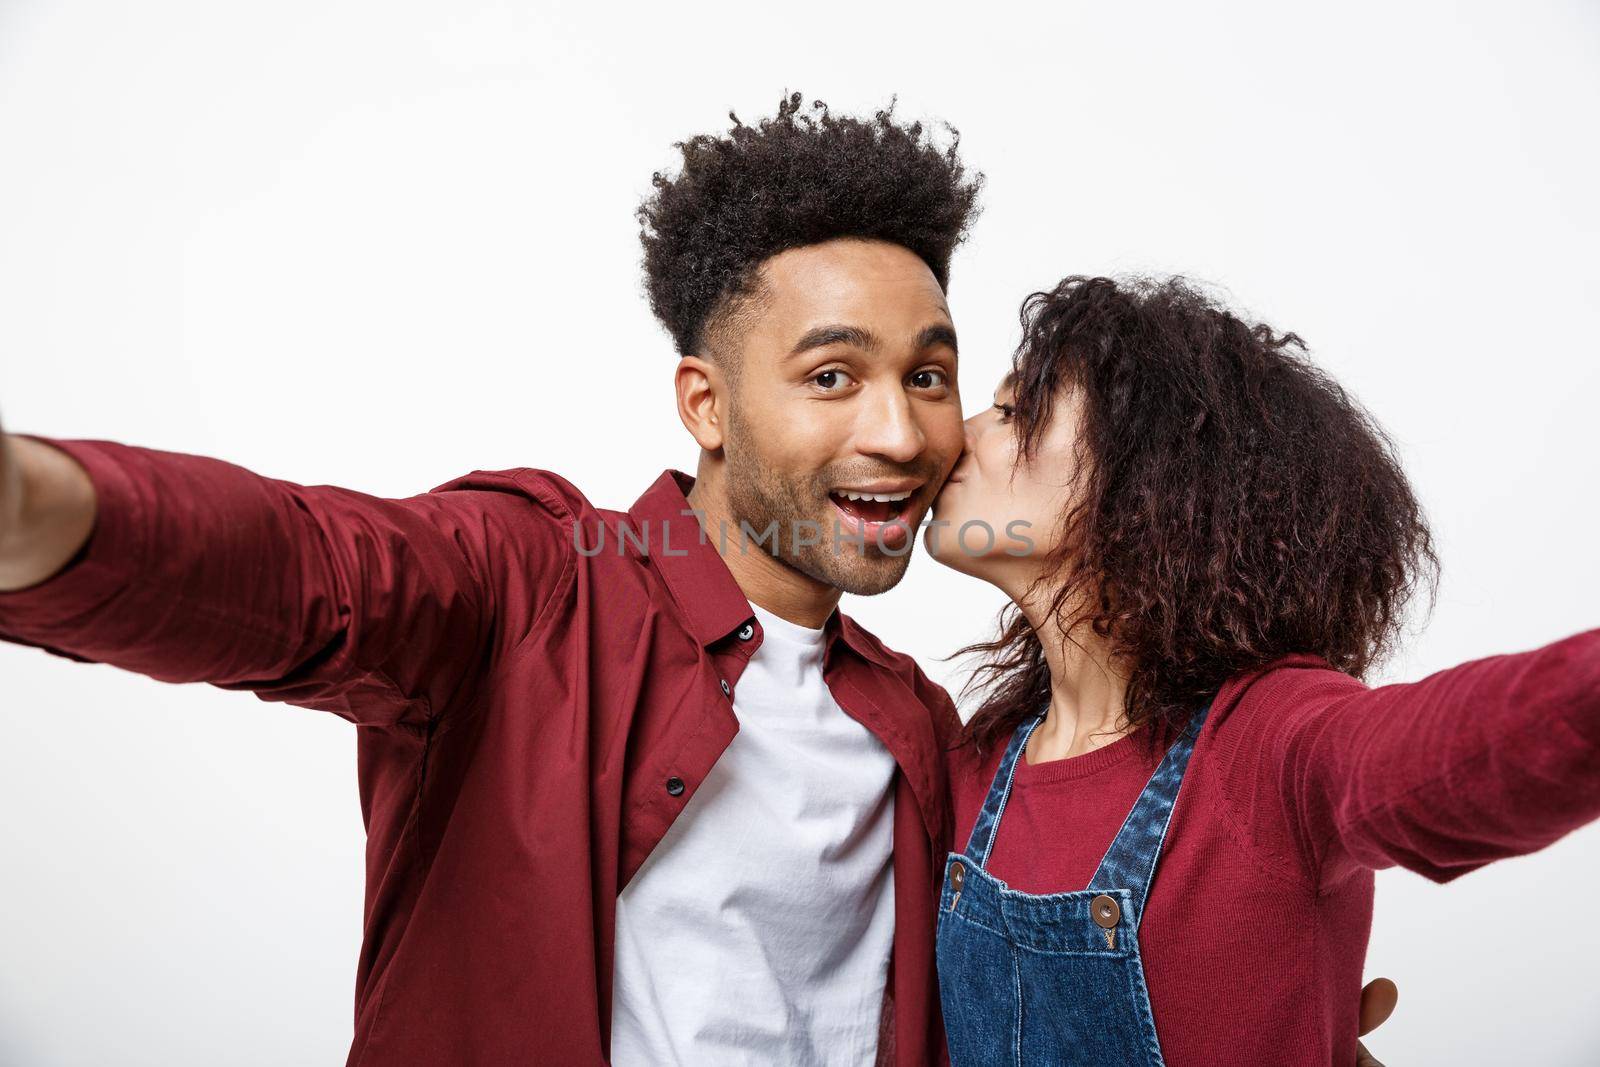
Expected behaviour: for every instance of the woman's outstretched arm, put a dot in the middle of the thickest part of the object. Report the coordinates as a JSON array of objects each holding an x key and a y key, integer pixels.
[{"x": 1493, "y": 758}]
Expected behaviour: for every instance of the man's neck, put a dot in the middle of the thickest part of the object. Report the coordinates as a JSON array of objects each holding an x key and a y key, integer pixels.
[{"x": 766, "y": 581}]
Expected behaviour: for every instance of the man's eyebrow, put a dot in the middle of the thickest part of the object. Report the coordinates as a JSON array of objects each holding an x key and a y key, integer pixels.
[
  {"x": 938, "y": 335},
  {"x": 835, "y": 334}
]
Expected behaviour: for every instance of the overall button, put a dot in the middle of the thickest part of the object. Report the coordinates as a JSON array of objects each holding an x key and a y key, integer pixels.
[
  {"x": 958, "y": 875},
  {"x": 746, "y": 632},
  {"x": 1106, "y": 911},
  {"x": 725, "y": 688},
  {"x": 675, "y": 786}
]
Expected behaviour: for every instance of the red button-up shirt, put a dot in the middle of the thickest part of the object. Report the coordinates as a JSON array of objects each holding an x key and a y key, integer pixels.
[{"x": 525, "y": 694}]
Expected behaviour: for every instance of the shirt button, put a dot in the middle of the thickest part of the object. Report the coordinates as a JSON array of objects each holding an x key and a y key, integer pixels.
[
  {"x": 675, "y": 786},
  {"x": 746, "y": 632},
  {"x": 725, "y": 689},
  {"x": 1105, "y": 910}
]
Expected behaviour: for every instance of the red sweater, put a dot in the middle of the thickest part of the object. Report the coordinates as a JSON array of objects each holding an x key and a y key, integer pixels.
[{"x": 1302, "y": 783}]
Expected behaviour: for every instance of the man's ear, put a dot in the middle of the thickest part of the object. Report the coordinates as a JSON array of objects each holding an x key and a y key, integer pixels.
[{"x": 702, "y": 400}]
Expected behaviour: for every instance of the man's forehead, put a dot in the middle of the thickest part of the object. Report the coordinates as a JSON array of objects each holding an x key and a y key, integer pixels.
[{"x": 859, "y": 282}]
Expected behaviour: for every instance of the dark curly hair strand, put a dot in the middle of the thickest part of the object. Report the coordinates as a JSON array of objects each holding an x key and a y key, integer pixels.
[{"x": 789, "y": 181}]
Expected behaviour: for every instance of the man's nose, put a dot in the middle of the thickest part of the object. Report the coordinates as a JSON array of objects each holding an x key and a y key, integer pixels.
[{"x": 890, "y": 428}]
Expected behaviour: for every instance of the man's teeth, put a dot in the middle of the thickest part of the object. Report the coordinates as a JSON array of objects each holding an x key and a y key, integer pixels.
[{"x": 882, "y": 498}]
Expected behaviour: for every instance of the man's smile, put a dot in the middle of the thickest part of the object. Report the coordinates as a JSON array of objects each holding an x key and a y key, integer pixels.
[{"x": 876, "y": 511}]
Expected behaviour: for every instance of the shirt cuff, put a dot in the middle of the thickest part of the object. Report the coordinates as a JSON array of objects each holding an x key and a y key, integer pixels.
[{"x": 105, "y": 563}]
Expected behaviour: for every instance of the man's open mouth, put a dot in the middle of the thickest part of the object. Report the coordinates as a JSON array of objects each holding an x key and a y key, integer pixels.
[{"x": 872, "y": 507}]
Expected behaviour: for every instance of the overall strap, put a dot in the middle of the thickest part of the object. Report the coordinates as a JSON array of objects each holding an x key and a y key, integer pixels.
[
  {"x": 983, "y": 831},
  {"x": 1130, "y": 862}
]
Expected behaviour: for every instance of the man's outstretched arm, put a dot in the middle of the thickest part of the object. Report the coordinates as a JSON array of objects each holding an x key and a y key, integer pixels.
[
  {"x": 46, "y": 510},
  {"x": 186, "y": 568}
]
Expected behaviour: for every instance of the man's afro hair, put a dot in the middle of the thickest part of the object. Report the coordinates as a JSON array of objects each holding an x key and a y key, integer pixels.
[{"x": 794, "y": 180}]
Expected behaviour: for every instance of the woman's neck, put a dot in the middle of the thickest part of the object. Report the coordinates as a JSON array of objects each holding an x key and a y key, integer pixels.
[{"x": 1086, "y": 689}]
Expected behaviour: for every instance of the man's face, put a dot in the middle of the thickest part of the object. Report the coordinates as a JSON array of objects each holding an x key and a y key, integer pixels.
[{"x": 845, "y": 418}]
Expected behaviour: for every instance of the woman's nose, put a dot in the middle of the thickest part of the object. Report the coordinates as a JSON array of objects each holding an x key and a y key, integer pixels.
[{"x": 969, "y": 434}]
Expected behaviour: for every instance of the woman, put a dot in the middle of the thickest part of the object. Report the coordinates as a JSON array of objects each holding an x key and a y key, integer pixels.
[{"x": 1207, "y": 544}]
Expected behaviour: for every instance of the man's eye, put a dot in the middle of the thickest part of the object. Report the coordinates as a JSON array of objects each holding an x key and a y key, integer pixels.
[
  {"x": 831, "y": 380},
  {"x": 929, "y": 379}
]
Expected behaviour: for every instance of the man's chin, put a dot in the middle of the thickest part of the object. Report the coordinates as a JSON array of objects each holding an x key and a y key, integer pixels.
[{"x": 862, "y": 574}]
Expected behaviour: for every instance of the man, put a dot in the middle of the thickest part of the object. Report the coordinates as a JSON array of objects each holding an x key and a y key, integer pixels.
[
  {"x": 633, "y": 791},
  {"x": 610, "y": 812}
]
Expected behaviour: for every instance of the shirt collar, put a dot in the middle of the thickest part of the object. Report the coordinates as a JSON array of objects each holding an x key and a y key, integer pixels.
[
  {"x": 687, "y": 560},
  {"x": 699, "y": 579}
]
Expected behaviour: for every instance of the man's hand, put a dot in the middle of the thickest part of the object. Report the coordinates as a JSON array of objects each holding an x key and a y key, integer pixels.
[
  {"x": 10, "y": 488},
  {"x": 1378, "y": 999},
  {"x": 47, "y": 506}
]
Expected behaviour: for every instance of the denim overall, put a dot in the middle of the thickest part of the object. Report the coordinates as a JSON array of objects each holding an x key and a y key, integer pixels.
[{"x": 1030, "y": 980}]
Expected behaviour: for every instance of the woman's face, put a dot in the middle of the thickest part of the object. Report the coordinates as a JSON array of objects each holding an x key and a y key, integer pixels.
[{"x": 998, "y": 520}]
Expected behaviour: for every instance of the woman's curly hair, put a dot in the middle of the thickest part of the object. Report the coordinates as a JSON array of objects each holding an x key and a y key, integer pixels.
[
  {"x": 792, "y": 180},
  {"x": 1235, "y": 504}
]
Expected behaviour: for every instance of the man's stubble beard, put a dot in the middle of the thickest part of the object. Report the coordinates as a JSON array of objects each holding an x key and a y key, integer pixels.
[{"x": 757, "y": 498}]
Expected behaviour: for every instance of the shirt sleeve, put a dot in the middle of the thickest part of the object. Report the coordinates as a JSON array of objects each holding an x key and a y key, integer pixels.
[
  {"x": 197, "y": 570},
  {"x": 1493, "y": 758}
]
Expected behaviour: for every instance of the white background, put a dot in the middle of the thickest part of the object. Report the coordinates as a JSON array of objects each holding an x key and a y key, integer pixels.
[{"x": 384, "y": 243}]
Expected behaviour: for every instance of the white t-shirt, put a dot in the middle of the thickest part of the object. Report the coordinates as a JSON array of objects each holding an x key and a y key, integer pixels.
[{"x": 758, "y": 931}]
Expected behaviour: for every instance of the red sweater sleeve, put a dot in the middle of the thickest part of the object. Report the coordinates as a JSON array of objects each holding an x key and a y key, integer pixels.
[
  {"x": 200, "y": 571},
  {"x": 1493, "y": 758}
]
